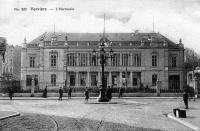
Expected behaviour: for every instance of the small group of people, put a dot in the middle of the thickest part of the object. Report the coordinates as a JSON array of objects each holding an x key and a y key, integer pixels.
[{"x": 60, "y": 91}]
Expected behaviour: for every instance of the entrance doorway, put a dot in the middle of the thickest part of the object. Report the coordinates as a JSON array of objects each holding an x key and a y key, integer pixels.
[{"x": 174, "y": 82}]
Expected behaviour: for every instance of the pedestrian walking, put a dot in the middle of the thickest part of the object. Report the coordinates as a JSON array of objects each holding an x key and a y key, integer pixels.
[
  {"x": 109, "y": 93},
  {"x": 120, "y": 92},
  {"x": 185, "y": 99},
  {"x": 86, "y": 94},
  {"x": 45, "y": 92},
  {"x": 69, "y": 93},
  {"x": 10, "y": 92},
  {"x": 60, "y": 93}
]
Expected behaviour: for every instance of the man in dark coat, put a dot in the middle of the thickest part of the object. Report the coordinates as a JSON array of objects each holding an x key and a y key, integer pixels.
[
  {"x": 10, "y": 91},
  {"x": 185, "y": 99},
  {"x": 120, "y": 92},
  {"x": 69, "y": 93},
  {"x": 86, "y": 94},
  {"x": 45, "y": 92},
  {"x": 109, "y": 93},
  {"x": 60, "y": 93}
]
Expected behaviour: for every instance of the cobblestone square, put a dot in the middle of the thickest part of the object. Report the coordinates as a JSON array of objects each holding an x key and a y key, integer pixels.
[{"x": 144, "y": 114}]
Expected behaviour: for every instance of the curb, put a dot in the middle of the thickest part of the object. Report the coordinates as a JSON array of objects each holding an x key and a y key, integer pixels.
[
  {"x": 64, "y": 98},
  {"x": 195, "y": 128},
  {"x": 9, "y": 116}
]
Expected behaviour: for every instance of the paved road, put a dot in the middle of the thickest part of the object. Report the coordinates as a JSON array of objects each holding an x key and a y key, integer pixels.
[{"x": 147, "y": 113}]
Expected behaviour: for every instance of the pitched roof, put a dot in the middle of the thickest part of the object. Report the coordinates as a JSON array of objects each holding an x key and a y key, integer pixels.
[{"x": 89, "y": 37}]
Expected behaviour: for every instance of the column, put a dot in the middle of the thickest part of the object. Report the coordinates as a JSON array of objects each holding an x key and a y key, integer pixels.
[
  {"x": 120, "y": 59},
  {"x": 77, "y": 64},
  {"x": 88, "y": 79},
  {"x": 88, "y": 59},
  {"x": 110, "y": 78},
  {"x": 77, "y": 79},
  {"x": 99, "y": 79},
  {"x": 120, "y": 79},
  {"x": 131, "y": 59},
  {"x": 131, "y": 79}
]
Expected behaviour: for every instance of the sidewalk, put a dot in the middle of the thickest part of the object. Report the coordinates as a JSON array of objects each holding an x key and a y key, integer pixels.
[
  {"x": 193, "y": 115},
  {"x": 8, "y": 114},
  {"x": 65, "y": 98}
]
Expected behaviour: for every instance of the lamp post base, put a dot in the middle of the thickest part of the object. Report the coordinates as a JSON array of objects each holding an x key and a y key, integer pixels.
[{"x": 103, "y": 97}]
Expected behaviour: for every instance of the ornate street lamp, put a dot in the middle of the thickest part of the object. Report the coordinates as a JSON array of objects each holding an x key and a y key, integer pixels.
[{"x": 102, "y": 56}]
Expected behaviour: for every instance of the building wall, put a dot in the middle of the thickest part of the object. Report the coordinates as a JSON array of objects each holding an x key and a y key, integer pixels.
[{"x": 144, "y": 72}]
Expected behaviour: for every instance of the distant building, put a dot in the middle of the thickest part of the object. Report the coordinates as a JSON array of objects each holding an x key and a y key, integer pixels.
[
  {"x": 2, "y": 54},
  {"x": 12, "y": 66},
  {"x": 139, "y": 58}
]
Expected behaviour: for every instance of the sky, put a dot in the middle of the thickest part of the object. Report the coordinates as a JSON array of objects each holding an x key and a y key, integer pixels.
[{"x": 174, "y": 19}]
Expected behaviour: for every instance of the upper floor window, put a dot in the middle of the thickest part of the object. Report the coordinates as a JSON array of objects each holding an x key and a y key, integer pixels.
[
  {"x": 125, "y": 59},
  {"x": 154, "y": 60},
  {"x": 115, "y": 60},
  {"x": 93, "y": 60},
  {"x": 83, "y": 57},
  {"x": 53, "y": 79},
  {"x": 53, "y": 60},
  {"x": 154, "y": 79},
  {"x": 173, "y": 61},
  {"x": 136, "y": 60},
  {"x": 71, "y": 59},
  {"x": 32, "y": 61}
]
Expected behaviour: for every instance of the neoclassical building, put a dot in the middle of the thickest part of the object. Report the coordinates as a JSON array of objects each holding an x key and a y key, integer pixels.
[{"x": 138, "y": 58}]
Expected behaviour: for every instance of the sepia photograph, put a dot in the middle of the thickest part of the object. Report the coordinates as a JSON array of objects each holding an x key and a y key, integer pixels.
[{"x": 99, "y": 65}]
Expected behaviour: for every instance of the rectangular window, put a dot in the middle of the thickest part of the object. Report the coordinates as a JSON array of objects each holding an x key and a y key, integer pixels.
[
  {"x": 136, "y": 60},
  {"x": 53, "y": 79},
  {"x": 32, "y": 61},
  {"x": 135, "y": 81},
  {"x": 125, "y": 59},
  {"x": 93, "y": 80},
  {"x": 93, "y": 60},
  {"x": 71, "y": 59},
  {"x": 173, "y": 61},
  {"x": 154, "y": 60},
  {"x": 72, "y": 80},
  {"x": 115, "y": 60},
  {"x": 82, "y": 79},
  {"x": 83, "y": 59},
  {"x": 28, "y": 80},
  {"x": 53, "y": 60},
  {"x": 154, "y": 79}
]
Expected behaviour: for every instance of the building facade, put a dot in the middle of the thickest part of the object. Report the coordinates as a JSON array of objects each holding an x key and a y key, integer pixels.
[
  {"x": 56, "y": 59},
  {"x": 11, "y": 67}
]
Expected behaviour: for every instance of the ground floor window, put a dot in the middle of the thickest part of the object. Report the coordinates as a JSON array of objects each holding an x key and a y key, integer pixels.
[
  {"x": 72, "y": 80},
  {"x": 82, "y": 79},
  {"x": 174, "y": 82},
  {"x": 29, "y": 80},
  {"x": 135, "y": 83},
  {"x": 136, "y": 78},
  {"x": 114, "y": 80},
  {"x": 53, "y": 79},
  {"x": 154, "y": 79},
  {"x": 93, "y": 80}
]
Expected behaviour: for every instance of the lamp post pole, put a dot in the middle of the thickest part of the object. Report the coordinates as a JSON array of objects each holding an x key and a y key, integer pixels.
[{"x": 102, "y": 97}]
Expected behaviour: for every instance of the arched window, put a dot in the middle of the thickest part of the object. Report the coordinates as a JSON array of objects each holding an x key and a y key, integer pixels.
[
  {"x": 53, "y": 79},
  {"x": 154, "y": 79}
]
